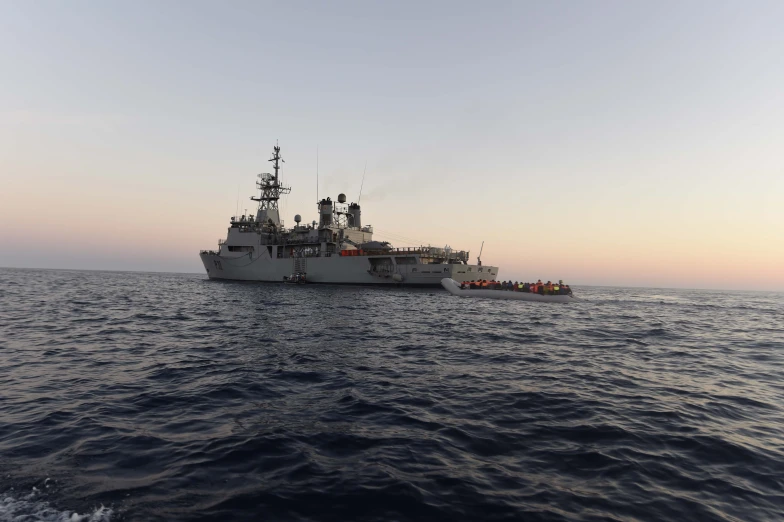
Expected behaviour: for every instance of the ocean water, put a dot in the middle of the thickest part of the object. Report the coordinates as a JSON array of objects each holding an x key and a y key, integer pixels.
[{"x": 131, "y": 396}]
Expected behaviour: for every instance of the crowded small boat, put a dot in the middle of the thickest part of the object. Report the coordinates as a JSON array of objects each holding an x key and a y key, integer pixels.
[
  {"x": 520, "y": 291},
  {"x": 297, "y": 278}
]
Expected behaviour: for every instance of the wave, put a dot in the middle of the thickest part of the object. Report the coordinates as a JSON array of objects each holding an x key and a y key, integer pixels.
[
  {"x": 33, "y": 506},
  {"x": 164, "y": 398}
]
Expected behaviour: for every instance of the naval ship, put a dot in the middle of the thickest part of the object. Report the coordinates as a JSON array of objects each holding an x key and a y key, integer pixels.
[{"x": 336, "y": 249}]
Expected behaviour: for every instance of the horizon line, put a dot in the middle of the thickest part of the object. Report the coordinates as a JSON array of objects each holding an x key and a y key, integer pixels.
[{"x": 201, "y": 273}]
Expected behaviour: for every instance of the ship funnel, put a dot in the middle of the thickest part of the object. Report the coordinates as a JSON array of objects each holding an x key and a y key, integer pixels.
[
  {"x": 325, "y": 211},
  {"x": 354, "y": 216}
]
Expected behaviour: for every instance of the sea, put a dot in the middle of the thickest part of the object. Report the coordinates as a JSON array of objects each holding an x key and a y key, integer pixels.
[{"x": 165, "y": 397}]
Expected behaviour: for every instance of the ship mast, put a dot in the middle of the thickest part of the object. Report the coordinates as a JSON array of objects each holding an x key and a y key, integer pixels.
[
  {"x": 269, "y": 185},
  {"x": 270, "y": 191}
]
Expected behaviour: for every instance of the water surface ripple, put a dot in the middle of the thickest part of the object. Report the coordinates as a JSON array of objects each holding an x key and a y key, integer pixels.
[{"x": 130, "y": 396}]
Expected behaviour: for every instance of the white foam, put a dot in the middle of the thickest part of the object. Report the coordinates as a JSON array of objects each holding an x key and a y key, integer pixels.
[{"x": 32, "y": 507}]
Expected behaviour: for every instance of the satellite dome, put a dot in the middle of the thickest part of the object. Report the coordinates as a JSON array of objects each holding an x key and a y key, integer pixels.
[
  {"x": 297, "y": 218},
  {"x": 341, "y": 198}
]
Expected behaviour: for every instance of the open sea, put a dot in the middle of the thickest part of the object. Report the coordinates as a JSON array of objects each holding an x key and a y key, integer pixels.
[{"x": 146, "y": 397}]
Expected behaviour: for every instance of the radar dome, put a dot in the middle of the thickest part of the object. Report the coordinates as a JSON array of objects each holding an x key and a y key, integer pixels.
[
  {"x": 341, "y": 198},
  {"x": 297, "y": 218}
]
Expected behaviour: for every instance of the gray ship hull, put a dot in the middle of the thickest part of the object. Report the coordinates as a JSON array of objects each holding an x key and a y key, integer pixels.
[{"x": 339, "y": 270}]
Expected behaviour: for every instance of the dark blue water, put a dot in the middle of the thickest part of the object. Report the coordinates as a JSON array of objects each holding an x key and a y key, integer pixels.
[{"x": 128, "y": 396}]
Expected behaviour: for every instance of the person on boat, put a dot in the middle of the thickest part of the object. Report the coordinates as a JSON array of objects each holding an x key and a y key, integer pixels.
[
  {"x": 557, "y": 289},
  {"x": 472, "y": 285}
]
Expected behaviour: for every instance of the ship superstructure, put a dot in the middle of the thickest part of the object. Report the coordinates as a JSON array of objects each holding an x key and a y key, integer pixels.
[{"x": 336, "y": 248}]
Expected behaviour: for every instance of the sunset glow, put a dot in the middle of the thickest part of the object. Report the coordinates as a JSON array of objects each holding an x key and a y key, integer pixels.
[{"x": 612, "y": 144}]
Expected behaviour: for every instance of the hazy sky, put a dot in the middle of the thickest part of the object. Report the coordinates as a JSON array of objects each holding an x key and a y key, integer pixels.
[{"x": 605, "y": 142}]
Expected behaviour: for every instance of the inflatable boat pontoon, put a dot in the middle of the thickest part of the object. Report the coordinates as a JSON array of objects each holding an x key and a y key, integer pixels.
[{"x": 453, "y": 287}]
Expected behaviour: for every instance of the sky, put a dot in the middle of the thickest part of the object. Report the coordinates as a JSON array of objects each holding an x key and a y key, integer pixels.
[{"x": 603, "y": 143}]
